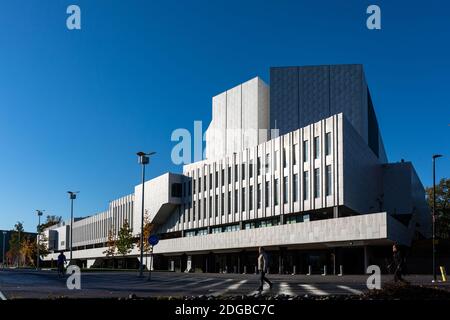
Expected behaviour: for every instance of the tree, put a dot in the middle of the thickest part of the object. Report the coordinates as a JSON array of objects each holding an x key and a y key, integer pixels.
[
  {"x": 442, "y": 207},
  {"x": 25, "y": 252},
  {"x": 18, "y": 226},
  {"x": 50, "y": 221},
  {"x": 15, "y": 244},
  {"x": 14, "y": 252},
  {"x": 112, "y": 246},
  {"x": 148, "y": 229},
  {"x": 28, "y": 251},
  {"x": 125, "y": 240}
]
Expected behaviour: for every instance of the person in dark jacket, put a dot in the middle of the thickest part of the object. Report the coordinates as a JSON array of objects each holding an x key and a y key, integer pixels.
[
  {"x": 397, "y": 263},
  {"x": 263, "y": 265},
  {"x": 60, "y": 264}
]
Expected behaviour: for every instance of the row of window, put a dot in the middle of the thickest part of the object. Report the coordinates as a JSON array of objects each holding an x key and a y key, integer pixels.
[
  {"x": 207, "y": 203},
  {"x": 197, "y": 185},
  {"x": 248, "y": 225}
]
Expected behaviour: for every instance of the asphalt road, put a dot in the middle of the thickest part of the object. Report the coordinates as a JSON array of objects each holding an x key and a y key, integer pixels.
[{"x": 18, "y": 284}]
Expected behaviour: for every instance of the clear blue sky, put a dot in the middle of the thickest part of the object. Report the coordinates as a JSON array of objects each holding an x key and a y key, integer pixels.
[{"x": 75, "y": 106}]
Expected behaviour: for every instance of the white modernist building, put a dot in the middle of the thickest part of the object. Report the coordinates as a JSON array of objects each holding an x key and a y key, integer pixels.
[{"x": 302, "y": 172}]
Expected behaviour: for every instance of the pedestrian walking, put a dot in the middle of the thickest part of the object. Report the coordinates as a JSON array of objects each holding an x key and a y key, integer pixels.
[
  {"x": 263, "y": 265},
  {"x": 397, "y": 263},
  {"x": 60, "y": 264}
]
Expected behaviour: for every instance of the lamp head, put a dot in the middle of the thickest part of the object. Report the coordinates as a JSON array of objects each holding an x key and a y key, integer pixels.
[{"x": 72, "y": 194}]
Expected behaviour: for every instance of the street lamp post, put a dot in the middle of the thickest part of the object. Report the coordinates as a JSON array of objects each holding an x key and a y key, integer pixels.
[
  {"x": 435, "y": 156},
  {"x": 72, "y": 196},
  {"x": 143, "y": 159},
  {"x": 39, "y": 213},
  {"x": 4, "y": 240}
]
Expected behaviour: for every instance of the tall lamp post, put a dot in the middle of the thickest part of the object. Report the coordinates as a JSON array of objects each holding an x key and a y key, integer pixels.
[
  {"x": 72, "y": 196},
  {"x": 143, "y": 159},
  {"x": 39, "y": 213},
  {"x": 435, "y": 156},
  {"x": 4, "y": 241}
]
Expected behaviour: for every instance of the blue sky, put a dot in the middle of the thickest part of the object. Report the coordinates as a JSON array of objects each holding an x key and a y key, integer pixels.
[{"x": 75, "y": 106}]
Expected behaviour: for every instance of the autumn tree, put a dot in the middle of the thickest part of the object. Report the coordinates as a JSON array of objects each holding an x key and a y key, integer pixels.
[
  {"x": 125, "y": 240},
  {"x": 110, "y": 252},
  {"x": 148, "y": 229},
  {"x": 15, "y": 244},
  {"x": 28, "y": 251},
  {"x": 442, "y": 207}
]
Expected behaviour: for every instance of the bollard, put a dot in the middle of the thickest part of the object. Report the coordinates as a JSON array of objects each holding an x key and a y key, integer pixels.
[
  {"x": 294, "y": 271},
  {"x": 341, "y": 270},
  {"x": 256, "y": 269},
  {"x": 234, "y": 269},
  {"x": 324, "y": 271},
  {"x": 245, "y": 269},
  {"x": 309, "y": 271}
]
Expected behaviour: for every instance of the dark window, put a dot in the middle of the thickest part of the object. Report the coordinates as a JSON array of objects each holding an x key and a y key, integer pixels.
[
  {"x": 204, "y": 207},
  {"x": 316, "y": 183},
  {"x": 176, "y": 190},
  {"x": 316, "y": 148},
  {"x": 216, "y": 205},
  {"x": 294, "y": 154},
  {"x": 305, "y": 185},
  {"x": 210, "y": 206},
  {"x": 305, "y": 151},
  {"x": 328, "y": 143},
  {"x": 210, "y": 181},
  {"x": 285, "y": 190},
  {"x": 243, "y": 199},
  {"x": 250, "y": 198},
  {"x": 328, "y": 181},
  {"x": 275, "y": 192},
  {"x": 217, "y": 179},
  {"x": 295, "y": 188},
  {"x": 258, "y": 196},
  {"x": 258, "y": 166}
]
